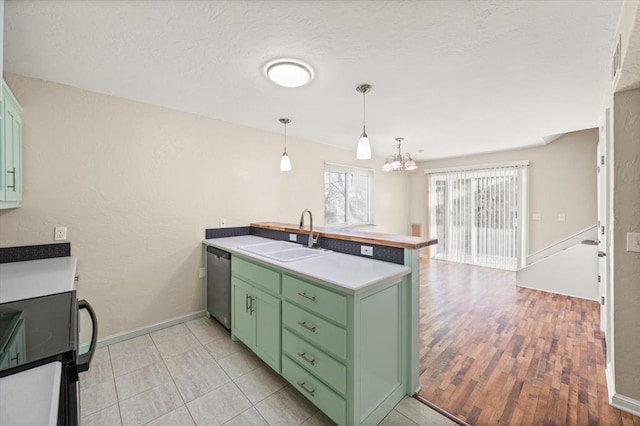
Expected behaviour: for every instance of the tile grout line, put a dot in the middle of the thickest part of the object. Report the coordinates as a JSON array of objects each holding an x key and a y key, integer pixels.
[
  {"x": 113, "y": 374},
  {"x": 162, "y": 358}
]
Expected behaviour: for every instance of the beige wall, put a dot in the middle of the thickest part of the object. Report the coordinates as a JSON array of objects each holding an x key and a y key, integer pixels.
[
  {"x": 562, "y": 179},
  {"x": 136, "y": 185},
  {"x": 626, "y": 218}
]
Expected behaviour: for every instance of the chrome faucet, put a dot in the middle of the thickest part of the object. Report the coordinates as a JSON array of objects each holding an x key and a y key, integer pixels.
[{"x": 312, "y": 240}]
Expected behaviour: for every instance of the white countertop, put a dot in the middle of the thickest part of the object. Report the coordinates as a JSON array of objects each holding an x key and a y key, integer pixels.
[
  {"x": 31, "y": 397},
  {"x": 352, "y": 274},
  {"x": 34, "y": 278}
]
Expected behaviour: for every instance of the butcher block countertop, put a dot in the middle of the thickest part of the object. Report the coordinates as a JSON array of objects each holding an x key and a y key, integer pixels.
[{"x": 388, "y": 240}]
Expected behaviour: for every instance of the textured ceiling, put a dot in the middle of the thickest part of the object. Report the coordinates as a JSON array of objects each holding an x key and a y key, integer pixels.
[{"x": 451, "y": 77}]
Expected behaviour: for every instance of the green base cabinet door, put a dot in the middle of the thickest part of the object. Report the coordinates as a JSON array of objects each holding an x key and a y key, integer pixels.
[
  {"x": 255, "y": 320},
  {"x": 241, "y": 315},
  {"x": 267, "y": 328}
]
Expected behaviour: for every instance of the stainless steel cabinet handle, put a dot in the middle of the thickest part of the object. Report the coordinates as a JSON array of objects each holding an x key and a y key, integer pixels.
[
  {"x": 303, "y": 355},
  {"x": 15, "y": 358},
  {"x": 311, "y": 328},
  {"x": 246, "y": 302},
  {"x": 306, "y": 389},
  {"x": 251, "y": 300},
  {"x": 13, "y": 172},
  {"x": 304, "y": 294}
]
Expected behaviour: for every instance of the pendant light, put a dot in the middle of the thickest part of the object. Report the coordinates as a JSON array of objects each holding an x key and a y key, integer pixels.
[
  {"x": 285, "y": 162},
  {"x": 363, "y": 151},
  {"x": 399, "y": 162}
]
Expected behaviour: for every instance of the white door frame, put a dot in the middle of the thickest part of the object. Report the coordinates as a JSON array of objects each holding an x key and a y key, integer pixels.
[{"x": 604, "y": 287}]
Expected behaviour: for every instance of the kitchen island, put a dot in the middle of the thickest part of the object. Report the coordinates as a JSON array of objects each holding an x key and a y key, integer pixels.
[{"x": 343, "y": 329}]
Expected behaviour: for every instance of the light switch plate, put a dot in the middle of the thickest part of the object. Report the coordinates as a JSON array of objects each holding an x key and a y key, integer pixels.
[
  {"x": 293, "y": 237},
  {"x": 633, "y": 241},
  {"x": 223, "y": 223},
  {"x": 536, "y": 216},
  {"x": 562, "y": 217},
  {"x": 201, "y": 273}
]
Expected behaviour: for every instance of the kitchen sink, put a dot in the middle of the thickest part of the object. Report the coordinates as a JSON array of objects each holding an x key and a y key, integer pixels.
[{"x": 284, "y": 251}]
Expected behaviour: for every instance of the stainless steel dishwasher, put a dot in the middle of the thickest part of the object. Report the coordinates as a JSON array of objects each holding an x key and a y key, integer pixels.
[{"x": 219, "y": 285}]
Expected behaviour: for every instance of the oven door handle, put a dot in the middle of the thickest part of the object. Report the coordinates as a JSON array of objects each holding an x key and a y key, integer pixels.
[{"x": 85, "y": 359}]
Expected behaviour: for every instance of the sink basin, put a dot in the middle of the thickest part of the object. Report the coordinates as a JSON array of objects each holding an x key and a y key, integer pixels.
[
  {"x": 284, "y": 251},
  {"x": 269, "y": 247}
]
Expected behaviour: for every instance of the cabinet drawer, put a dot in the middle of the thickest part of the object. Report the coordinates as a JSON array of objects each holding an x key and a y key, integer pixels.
[
  {"x": 315, "y": 298},
  {"x": 324, "y": 398},
  {"x": 322, "y": 333},
  {"x": 315, "y": 361},
  {"x": 256, "y": 274}
]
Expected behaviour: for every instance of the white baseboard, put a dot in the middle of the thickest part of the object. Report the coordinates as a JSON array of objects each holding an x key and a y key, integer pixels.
[
  {"x": 625, "y": 403},
  {"x": 119, "y": 337},
  {"x": 611, "y": 387},
  {"x": 617, "y": 400}
]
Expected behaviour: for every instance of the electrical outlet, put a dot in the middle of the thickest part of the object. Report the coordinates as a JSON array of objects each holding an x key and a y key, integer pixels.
[
  {"x": 223, "y": 223},
  {"x": 60, "y": 233},
  {"x": 633, "y": 241},
  {"x": 201, "y": 273},
  {"x": 536, "y": 216},
  {"x": 366, "y": 250},
  {"x": 562, "y": 217},
  {"x": 293, "y": 237}
]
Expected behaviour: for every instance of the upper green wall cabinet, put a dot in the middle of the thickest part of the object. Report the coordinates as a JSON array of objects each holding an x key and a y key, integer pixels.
[{"x": 10, "y": 150}]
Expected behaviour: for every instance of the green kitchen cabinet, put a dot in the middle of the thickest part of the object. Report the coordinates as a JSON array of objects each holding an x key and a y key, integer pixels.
[
  {"x": 10, "y": 150},
  {"x": 255, "y": 314},
  {"x": 347, "y": 353}
]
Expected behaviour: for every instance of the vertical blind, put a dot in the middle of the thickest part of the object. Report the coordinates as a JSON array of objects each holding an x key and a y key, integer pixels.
[{"x": 475, "y": 214}]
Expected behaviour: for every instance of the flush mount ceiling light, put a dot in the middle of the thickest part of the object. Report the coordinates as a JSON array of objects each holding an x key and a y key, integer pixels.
[
  {"x": 363, "y": 151},
  {"x": 399, "y": 162},
  {"x": 285, "y": 162},
  {"x": 289, "y": 73}
]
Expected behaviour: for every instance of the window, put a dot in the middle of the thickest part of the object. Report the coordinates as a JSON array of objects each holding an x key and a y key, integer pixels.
[
  {"x": 348, "y": 195},
  {"x": 477, "y": 214}
]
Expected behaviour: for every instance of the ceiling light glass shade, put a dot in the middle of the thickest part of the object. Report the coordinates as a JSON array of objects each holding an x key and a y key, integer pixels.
[
  {"x": 289, "y": 74},
  {"x": 363, "y": 151},
  {"x": 386, "y": 167},
  {"x": 396, "y": 165},
  {"x": 410, "y": 165},
  {"x": 285, "y": 163}
]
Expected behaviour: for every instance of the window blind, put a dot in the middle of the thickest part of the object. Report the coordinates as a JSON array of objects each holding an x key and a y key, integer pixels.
[{"x": 476, "y": 215}]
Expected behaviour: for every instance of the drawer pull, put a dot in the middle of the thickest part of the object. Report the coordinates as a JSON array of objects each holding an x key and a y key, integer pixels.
[
  {"x": 304, "y": 294},
  {"x": 306, "y": 389},
  {"x": 311, "y": 328},
  {"x": 303, "y": 355}
]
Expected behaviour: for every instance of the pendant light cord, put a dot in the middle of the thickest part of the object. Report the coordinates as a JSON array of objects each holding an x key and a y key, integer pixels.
[
  {"x": 285, "y": 121},
  {"x": 364, "y": 113}
]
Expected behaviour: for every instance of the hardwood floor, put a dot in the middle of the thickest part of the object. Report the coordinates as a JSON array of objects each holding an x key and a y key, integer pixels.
[{"x": 492, "y": 353}]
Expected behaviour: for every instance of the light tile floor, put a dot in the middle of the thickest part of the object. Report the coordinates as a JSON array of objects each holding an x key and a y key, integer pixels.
[{"x": 193, "y": 373}]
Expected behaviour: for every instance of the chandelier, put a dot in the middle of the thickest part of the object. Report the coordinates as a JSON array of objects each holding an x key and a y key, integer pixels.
[{"x": 399, "y": 162}]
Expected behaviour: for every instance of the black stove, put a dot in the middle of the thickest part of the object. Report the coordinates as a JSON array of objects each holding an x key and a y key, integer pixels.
[{"x": 41, "y": 330}]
